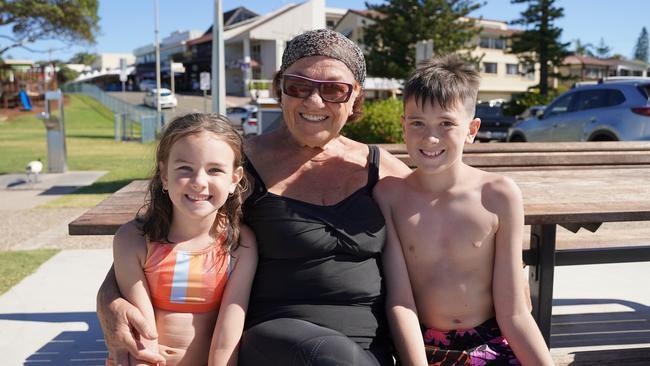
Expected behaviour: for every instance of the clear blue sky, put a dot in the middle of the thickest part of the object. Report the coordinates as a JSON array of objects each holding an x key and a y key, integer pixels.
[{"x": 128, "y": 24}]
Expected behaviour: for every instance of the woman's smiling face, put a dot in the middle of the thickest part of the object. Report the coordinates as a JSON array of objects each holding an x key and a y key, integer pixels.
[{"x": 312, "y": 121}]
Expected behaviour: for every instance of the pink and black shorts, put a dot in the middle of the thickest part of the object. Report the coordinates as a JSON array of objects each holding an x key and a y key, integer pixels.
[{"x": 482, "y": 345}]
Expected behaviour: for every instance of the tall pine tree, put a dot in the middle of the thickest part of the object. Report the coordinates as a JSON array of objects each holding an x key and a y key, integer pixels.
[
  {"x": 400, "y": 24},
  {"x": 641, "y": 48},
  {"x": 602, "y": 50},
  {"x": 540, "y": 41}
]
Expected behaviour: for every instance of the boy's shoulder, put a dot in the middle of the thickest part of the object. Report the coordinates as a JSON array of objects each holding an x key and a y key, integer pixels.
[{"x": 498, "y": 191}]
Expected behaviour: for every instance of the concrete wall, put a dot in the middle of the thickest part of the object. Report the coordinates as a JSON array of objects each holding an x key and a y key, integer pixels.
[{"x": 107, "y": 61}]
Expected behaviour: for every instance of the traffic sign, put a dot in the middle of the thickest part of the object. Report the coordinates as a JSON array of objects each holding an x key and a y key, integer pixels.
[{"x": 205, "y": 81}]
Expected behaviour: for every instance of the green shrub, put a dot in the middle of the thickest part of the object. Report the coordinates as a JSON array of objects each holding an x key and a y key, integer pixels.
[
  {"x": 259, "y": 85},
  {"x": 379, "y": 124}
]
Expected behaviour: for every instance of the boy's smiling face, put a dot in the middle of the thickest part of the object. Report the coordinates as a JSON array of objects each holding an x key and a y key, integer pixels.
[{"x": 435, "y": 137}]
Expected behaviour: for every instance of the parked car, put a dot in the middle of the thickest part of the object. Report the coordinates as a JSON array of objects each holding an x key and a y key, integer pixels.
[
  {"x": 167, "y": 98},
  {"x": 249, "y": 124},
  {"x": 607, "y": 111},
  {"x": 237, "y": 115},
  {"x": 494, "y": 123},
  {"x": 531, "y": 112},
  {"x": 146, "y": 85}
]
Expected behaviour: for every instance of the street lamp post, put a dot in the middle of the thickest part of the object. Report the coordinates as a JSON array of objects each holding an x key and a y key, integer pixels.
[
  {"x": 157, "y": 45},
  {"x": 218, "y": 61}
]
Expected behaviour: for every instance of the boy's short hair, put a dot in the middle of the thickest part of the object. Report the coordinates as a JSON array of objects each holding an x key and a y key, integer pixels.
[{"x": 444, "y": 80}]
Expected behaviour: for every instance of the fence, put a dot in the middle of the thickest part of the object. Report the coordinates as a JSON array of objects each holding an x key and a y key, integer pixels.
[{"x": 132, "y": 122}]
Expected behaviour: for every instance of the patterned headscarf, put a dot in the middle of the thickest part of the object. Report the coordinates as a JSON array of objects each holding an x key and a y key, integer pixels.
[{"x": 325, "y": 42}]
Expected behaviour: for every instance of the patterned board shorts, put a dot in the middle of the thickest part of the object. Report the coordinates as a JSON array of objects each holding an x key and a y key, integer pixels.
[{"x": 482, "y": 345}]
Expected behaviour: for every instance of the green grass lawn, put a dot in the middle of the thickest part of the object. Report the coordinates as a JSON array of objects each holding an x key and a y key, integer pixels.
[
  {"x": 15, "y": 265},
  {"x": 90, "y": 146}
]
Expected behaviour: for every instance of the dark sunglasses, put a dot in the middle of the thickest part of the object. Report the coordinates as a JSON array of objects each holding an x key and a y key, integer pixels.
[{"x": 302, "y": 87}]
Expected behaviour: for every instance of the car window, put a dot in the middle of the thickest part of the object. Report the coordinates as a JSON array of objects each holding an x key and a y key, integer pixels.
[
  {"x": 560, "y": 106},
  {"x": 165, "y": 94},
  {"x": 599, "y": 98},
  {"x": 591, "y": 99},
  {"x": 615, "y": 97},
  {"x": 645, "y": 89}
]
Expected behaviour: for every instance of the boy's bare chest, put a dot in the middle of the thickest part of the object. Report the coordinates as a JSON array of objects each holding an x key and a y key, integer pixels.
[{"x": 449, "y": 230}]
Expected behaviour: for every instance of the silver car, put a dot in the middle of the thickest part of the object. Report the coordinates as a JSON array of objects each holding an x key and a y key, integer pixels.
[{"x": 610, "y": 110}]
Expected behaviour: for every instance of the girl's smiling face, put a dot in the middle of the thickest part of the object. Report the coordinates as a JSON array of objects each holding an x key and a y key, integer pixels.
[{"x": 199, "y": 175}]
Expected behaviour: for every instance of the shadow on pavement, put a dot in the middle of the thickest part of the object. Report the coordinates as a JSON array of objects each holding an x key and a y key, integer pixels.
[
  {"x": 627, "y": 327},
  {"x": 68, "y": 347}
]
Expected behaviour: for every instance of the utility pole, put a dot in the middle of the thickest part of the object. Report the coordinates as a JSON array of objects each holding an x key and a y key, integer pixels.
[
  {"x": 172, "y": 73},
  {"x": 157, "y": 45},
  {"x": 218, "y": 61}
]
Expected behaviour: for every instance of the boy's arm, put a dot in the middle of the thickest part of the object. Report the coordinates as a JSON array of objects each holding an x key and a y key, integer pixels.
[
  {"x": 230, "y": 322},
  {"x": 129, "y": 253},
  {"x": 513, "y": 316},
  {"x": 400, "y": 305}
]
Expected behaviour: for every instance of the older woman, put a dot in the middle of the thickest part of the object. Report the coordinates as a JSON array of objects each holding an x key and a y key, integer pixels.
[{"x": 318, "y": 295}]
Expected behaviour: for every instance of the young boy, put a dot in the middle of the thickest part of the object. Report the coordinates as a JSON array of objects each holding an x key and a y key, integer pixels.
[{"x": 454, "y": 235}]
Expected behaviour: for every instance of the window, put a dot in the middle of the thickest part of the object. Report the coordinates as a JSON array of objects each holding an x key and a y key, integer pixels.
[
  {"x": 599, "y": 98},
  {"x": 530, "y": 72},
  {"x": 560, "y": 106},
  {"x": 490, "y": 67},
  {"x": 637, "y": 73},
  {"x": 594, "y": 73},
  {"x": 512, "y": 69},
  {"x": 497, "y": 43}
]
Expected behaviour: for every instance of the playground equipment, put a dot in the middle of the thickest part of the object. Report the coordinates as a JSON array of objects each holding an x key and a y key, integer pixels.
[
  {"x": 24, "y": 100},
  {"x": 55, "y": 126}
]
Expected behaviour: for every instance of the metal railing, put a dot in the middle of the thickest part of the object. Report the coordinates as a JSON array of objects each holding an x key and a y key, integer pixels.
[{"x": 132, "y": 122}]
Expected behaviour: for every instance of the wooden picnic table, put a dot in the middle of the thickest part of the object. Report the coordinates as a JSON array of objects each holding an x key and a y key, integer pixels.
[{"x": 574, "y": 199}]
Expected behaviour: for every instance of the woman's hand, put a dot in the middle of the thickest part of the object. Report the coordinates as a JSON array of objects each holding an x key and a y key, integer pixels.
[{"x": 123, "y": 325}]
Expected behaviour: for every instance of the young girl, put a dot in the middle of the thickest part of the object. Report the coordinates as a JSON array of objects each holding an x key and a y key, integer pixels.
[{"x": 173, "y": 262}]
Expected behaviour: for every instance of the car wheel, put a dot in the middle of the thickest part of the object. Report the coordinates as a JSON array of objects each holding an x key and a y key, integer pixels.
[
  {"x": 603, "y": 137},
  {"x": 517, "y": 138}
]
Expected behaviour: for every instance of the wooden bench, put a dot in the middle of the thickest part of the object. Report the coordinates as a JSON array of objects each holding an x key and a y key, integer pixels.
[
  {"x": 556, "y": 155},
  {"x": 562, "y": 195}
]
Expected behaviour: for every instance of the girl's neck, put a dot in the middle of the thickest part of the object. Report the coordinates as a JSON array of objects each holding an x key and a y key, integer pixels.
[{"x": 185, "y": 229}]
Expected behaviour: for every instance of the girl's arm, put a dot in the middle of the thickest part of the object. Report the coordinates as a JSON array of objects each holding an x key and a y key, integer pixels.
[
  {"x": 129, "y": 254},
  {"x": 508, "y": 292},
  {"x": 230, "y": 322},
  {"x": 400, "y": 305}
]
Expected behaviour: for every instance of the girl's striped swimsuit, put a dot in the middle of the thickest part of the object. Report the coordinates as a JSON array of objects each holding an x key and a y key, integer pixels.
[{"x": 186, "y": 281}]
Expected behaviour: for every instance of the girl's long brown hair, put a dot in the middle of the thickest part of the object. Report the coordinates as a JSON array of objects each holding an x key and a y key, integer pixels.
[{"x": 156, "y": 220}]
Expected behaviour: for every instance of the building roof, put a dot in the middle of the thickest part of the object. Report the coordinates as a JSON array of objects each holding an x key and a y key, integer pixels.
[
  {"x": 234, "y": 16},
  {"x": 244, "y": 26},
  {"x": 638, "y": 64},
  {"x": 370, "y": 14},
  {"x": 18, "y": 62},
  {"x": 586, "y": 60}
]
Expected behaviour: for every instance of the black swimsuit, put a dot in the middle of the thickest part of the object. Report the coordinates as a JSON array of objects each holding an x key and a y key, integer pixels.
[{"x": 319, "y": 265}]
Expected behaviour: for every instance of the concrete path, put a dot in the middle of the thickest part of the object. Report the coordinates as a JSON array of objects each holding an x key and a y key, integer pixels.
[
  {"x": 26, "y": 226},
  {"x": 49, "y": 318}
]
